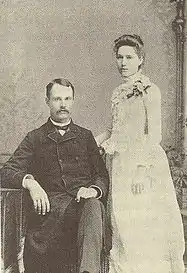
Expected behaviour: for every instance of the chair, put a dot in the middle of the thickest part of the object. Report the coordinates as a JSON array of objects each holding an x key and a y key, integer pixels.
[{"x": 13, "y": 230}]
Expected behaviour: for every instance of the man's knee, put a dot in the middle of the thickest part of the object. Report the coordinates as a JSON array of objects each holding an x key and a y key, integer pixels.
[
  {"x": 91, "y": 215},
  {"x": 91, "y": 221},
  {"x": 93, "y": 206}
]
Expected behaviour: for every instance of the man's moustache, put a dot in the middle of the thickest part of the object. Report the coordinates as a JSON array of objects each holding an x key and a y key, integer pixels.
[{"x": 63, "y": 110}]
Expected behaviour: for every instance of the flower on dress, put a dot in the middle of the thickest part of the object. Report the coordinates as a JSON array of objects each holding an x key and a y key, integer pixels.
[
  {"x": 124, "y": 91},
  {"x": 139, "y": 89}
]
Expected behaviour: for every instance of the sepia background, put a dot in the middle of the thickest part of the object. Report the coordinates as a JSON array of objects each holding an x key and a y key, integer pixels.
[{"x": 44, "y": 39}]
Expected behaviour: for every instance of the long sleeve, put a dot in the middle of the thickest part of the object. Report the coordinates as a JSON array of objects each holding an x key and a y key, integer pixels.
[
  {"x": 110, "y": 122},
  {"x": 16, "y": 167},
  {"x": 153, "y": 106},
  {"x": 99, "y": 172},
  {"x": 104, "y": 136},
  {"x": 154, "y": 135}
]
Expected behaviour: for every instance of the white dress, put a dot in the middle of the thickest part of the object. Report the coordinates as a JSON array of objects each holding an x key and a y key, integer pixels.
[{"x": 147, "y": 227}]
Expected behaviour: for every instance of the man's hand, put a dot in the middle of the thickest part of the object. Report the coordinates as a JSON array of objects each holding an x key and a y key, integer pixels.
[
  {"x": 86, "y": 193},
  {"x": 38, "y": 196}
]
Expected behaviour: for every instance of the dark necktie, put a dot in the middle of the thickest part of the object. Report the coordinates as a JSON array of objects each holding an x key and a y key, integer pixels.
[{"x": 64, "y": 128}]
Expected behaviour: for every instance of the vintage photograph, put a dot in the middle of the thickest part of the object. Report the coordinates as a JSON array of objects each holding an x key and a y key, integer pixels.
[{"x": 93, "y": 150}]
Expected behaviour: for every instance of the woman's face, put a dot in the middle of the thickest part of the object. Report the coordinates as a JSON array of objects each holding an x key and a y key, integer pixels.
[{"x": 127, "y": 61}]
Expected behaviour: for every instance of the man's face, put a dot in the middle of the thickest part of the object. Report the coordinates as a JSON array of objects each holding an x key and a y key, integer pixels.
[{"x": 60, "y": 102}]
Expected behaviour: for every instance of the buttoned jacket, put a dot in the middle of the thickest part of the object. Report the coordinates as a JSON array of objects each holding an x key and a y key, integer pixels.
[{"x": 59, "y": 163}]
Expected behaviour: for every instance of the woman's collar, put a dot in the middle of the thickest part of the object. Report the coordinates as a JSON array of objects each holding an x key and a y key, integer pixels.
[{"x": 132, "y": 79}]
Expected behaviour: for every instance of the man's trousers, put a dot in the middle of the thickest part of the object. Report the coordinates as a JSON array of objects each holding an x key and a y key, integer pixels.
[{"x": 70, "y": 233}]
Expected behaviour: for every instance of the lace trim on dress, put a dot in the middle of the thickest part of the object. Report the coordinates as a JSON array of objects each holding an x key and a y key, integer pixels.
[{"x": 137, "y": 87}]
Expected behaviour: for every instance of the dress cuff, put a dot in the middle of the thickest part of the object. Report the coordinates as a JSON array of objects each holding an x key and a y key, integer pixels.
[
  {"x": 99, "y": 191},
  {"x": 27, "y": 176}
]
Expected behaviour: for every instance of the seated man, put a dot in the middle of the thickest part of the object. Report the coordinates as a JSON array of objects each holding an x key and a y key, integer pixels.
[{"x": 60, "y": 166}]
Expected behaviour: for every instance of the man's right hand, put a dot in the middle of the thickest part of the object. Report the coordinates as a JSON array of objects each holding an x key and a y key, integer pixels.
[{"x": 38, "y": 196}]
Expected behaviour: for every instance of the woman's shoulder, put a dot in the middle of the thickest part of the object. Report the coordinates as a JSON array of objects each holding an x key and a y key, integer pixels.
[
  {"x": 148, "y": 84},
  {"x": 115, "y": 94},
  {"x": 151, "y": 89},
  {"x": 153, "y": 92},
  {"x": 141, "y": 85}
]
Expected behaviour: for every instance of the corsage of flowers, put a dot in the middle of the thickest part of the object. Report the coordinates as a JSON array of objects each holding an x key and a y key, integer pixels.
[{"x": 138, "y": 89}]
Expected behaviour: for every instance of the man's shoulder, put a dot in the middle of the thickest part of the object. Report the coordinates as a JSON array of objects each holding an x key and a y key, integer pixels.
[
  {"x": 39, "y": 129},
  {"x": 42, "y": 129},
  {"x": 82, "y": 129}
]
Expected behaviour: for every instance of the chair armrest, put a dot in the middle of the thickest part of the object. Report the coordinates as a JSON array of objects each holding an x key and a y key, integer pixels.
[{"x": 13, "y": 228}]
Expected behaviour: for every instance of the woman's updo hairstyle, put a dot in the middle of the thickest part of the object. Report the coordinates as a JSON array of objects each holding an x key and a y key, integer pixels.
[{"x": 131, "y": 40}]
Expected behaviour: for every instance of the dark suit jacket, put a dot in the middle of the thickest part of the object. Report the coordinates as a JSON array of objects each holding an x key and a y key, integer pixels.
[{"x": 58, "y": 163}]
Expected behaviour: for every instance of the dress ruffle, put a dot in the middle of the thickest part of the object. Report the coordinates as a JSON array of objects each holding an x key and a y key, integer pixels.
[{"x": 147, "y": 228}]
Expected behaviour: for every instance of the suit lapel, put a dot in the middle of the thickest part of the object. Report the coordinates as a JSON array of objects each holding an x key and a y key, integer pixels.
[{"x": 54, "y": 135}]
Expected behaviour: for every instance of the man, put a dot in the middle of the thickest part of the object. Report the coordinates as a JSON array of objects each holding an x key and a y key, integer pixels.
[{"x": 60, "y": 166}]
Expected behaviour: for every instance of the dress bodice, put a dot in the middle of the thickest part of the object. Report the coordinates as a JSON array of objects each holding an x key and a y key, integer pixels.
[{"x": 131, "y": 118}]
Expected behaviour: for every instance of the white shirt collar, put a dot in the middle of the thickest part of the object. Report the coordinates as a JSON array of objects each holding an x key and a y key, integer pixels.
[{"x": 59, "y": 123}]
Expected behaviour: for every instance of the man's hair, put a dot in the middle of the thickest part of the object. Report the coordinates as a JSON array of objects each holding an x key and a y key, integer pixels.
[{"x": 60, "y": 81}]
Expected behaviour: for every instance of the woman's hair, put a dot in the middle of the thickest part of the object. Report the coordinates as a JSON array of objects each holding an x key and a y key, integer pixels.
[{"x": 130, "y": 40}]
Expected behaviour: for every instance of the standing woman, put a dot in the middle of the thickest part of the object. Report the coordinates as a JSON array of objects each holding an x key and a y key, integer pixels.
[{"x": 147, "y": 226}]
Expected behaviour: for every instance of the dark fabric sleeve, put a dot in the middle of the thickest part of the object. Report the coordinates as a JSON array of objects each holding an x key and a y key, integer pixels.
[
  {"x": 17, "y": 166},
  {"x": 99, "y": 171}
]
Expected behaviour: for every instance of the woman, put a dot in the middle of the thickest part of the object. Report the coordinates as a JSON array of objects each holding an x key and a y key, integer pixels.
[{"x": 147, "y": 226}]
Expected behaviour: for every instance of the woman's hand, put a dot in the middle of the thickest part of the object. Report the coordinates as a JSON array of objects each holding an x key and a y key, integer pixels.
[
  {"x": 101, "y": 150},
  {"x": 137, "y": 188},
  {"x": 98, "y": 141},
  {"x": 140, "y": 181},
  {"x": 102, "y": 137}
]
